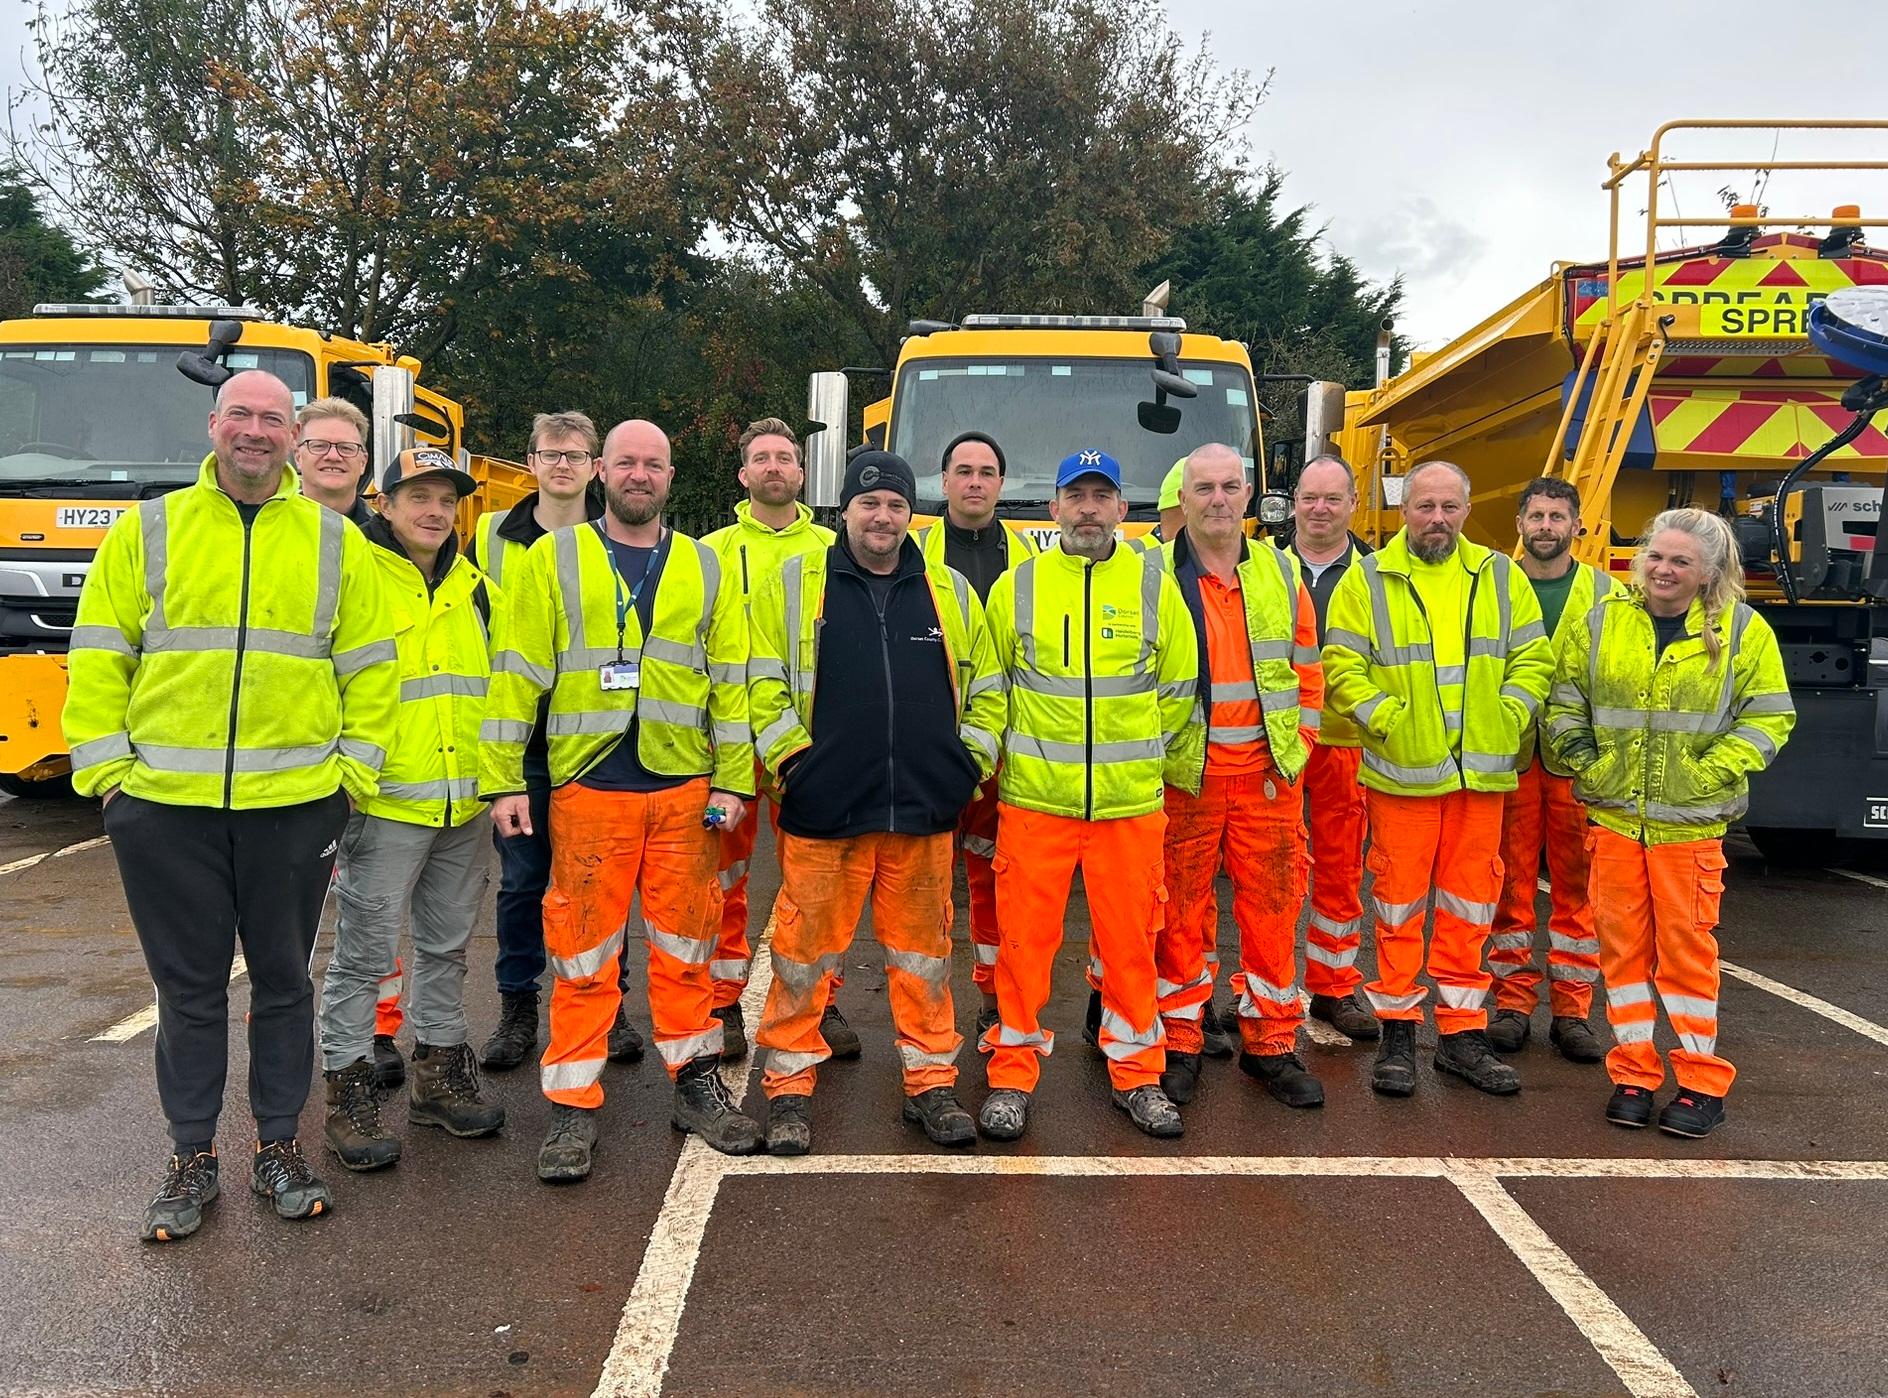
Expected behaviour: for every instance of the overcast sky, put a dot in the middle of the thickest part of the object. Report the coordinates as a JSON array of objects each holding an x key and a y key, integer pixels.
[{"x": 1462, "y": 144}]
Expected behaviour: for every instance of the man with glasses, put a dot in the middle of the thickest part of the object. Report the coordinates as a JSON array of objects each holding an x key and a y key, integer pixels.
[{"x": 331, "y": 457}]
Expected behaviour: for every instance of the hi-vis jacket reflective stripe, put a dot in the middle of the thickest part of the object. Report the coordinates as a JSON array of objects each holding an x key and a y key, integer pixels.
[
  {"x": 217, "y": 665},
  {"x": 783, "y": 669},
  {"x": 495, "y": 552},
  {"x": 558, "y": 627},
  {"x": 750, "y": 552},
  {"x": 1662, "y": 745},
  {"x": 431, "y": 776},
  {"x": 1589, "y": 585},
  {"x": 1268, "y": 591},
  {"x": 1336, "y": 730},
  {"x": 1380, "y": 668},
  {"x": 931, "y": 542},
  {"x": 1102, "y": 668}
]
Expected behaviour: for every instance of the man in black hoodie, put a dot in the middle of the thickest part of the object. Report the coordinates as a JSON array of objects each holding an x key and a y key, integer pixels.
[{"x": 875, "y": 703}]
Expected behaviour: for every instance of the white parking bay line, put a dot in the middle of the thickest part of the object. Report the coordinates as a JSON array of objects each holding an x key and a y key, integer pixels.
[
  {"x": 1848, "y": 1020},
  {"x": 1861, "y": 878},
  {"x": 131, "y": 1026},
  {"x": 33, "y": 859}
]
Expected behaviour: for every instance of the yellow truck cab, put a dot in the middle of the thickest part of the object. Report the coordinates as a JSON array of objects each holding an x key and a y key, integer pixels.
[{"x": 102, "y": 406}]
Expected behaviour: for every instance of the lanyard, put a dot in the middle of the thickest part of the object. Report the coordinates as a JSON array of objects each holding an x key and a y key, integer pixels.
[{"x": 627, "y": 600}]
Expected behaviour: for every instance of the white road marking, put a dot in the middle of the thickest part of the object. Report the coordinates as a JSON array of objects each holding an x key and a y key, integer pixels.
[
  {"x": 31, "y": 860},
  {"x": 1546, "y": 887},
  {"x": 1866, "y": 1028},
  {"x": 1316, "y": 1030},
  {"x": 133, "y": 1025},
  {"x": 1844, "y": 873}
]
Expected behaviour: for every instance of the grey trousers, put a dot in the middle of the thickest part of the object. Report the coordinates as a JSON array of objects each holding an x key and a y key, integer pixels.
[{"x": 388, "y": 868}]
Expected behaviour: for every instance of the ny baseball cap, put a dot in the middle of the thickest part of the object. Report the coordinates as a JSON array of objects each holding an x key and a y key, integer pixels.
[{"x": 1088, "y": 463}]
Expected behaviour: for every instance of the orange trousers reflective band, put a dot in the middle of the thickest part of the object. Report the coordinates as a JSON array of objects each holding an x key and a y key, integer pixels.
[
  {"x": 1121, "y": 863},
  {"x": 1446, "y": 845},
  {"x": 388, "y": 1016},
  {"x": 824, "y": 886},
  {"x": 976, "y": 837},
  {"x": 1254, "y": 824},
  {"x": 1542, "y": 812},
  {"x": 1338, "y": 825},
  {"x": 729, "y": 968},
  {"x": 607, "y": 847},
  {"x": 1656, "y": 910}
]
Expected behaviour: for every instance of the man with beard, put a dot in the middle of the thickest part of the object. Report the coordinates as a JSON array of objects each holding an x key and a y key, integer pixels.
[
  {"x": 1435, "y": 649},
  {"x": 642, "y": 644},
  {"x": 1542, "y": 810}
]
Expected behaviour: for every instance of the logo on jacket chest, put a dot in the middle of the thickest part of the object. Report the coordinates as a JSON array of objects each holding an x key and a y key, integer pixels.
[{"x": 1119, "y": 625}]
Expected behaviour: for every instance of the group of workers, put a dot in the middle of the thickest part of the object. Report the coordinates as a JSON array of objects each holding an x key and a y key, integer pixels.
[{"x": 273, "y": 684}]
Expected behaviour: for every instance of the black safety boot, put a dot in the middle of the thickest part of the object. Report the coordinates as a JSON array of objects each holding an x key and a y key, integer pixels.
[
  {"x": 789, "y": 1124},
  {"x": 516, "y": 1037},
  {"x": 280, "y": 1173},
  {"x": 445, "y": 1092},
  {"x": 1576, "y": 1042},
  {"x": 942, "y": 1116},
  {"x": 1285, "y": 1076},
  {"x": 1468, "y": 1056},
  {"x": 1005, "y": 1114},
  {"x": 565, "y": 1155},
  {"x": 1149, "y": 1108},
  {"x": 1346, "y": 1016},
  {"x": 1508, "y": 1031},
  {"x": 1693, "y": 1114},
  {"x": 1181, "y": 1078},
  {"x": 733, "y": 1032},
  {"x": 625, "y": 1041},
  {"x": 1630, "y": 1106},
  {"x": 1394, "y": 1074},
  {"x": 839, "y": 1036},
  {"x": 189, "y": 1185},
  {"x": 1091, "y": 1021},
  {"x": 353, "y": 1130},
  {"x": 986, "y": 1021},
  {"x": 1218, "y": 1031},
  {"x": 389, "y": 1066},
  {"x": 704, "y": 1106}
]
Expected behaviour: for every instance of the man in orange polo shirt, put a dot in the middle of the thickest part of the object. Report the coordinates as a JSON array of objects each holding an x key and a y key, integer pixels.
[{"x": 1258, "y": 640}]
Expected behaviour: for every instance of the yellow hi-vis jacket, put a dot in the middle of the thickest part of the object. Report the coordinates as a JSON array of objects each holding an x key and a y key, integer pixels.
[
  {"x": 751, "y": 552},
  {"x": 1335, "y": 730},
  {"x": 1662, "y": 745},
  {"x": 1589, "y": 586},
  {"x": 783, "y": 670},
  {"x": 931, "y": 540},
  {"x": 558, "y": 627},
  {"x": 1380, "y": 669},
  {"x": 1102, "y": 668},
  {"x": 218, "y": 665},
  {"x": 431, "y": 774},
  {"x": 1268, "y": 593}
]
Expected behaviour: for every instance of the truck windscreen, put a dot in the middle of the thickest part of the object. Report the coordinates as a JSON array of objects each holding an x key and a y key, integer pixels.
[
  {"x": 1040, "y": 410},
  {"x": 93, "y": 414}
]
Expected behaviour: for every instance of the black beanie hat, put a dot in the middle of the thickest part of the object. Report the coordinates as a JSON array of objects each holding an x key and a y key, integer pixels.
[{"x": 878, "y": 470}]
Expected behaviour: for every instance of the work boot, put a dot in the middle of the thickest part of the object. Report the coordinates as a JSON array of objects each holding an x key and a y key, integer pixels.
[
  {"x": 986, "y": 1021},
  {"x": 1182, "y": 1076},
  {"x": 445, "y": 1092},
  {"x": 565, "y": 1155},
  {"x": 281, "y": 1174},
  {"x": 353, "y": 1130},
  {"x": 840, "y": 1037},
  {"x": 1394, "y": 1074},
  {"x": 177, "y": 1211},
  {"x": 625, "y": 1041},
  {"x": 1285, "y": 1076},
  {"x": 1148, "y": 1108},
  {"x": 1630, "y": 1106},
  {"x": 1217, "y": 1032},
  {"x": 516, "y": 1037},
  {"x": 1346, "y": 1016},
  {"x": 1468, "y": 1056},
  {"x": 789, "y": 1124},
  {"x": 389, "y": 1066},
  {"x": 1005, "y": 1114},
  {"x": 942, "y": 1116},
  {"x": 1576, "y": 1042},
  {"x": 733, "y": 1032},
  {"x": 1508, "y": 1031},
  {"x": 1091, "y": 1021},
  {"x": 704, "y": 1105},
  {"x": 1693, "y": 1114}
]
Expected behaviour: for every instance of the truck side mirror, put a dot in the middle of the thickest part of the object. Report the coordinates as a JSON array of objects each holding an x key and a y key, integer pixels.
[{"x": 827, "y": 409}]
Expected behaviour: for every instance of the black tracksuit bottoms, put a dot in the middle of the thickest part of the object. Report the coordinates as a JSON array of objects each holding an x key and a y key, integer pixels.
[{"x": 197, "y": 879}]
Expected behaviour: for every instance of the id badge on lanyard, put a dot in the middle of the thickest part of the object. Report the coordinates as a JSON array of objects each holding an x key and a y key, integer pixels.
[{"x": 622, "y": 673}]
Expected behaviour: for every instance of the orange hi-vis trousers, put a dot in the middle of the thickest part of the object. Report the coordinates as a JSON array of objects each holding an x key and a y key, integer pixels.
[
  {"x": 1338, "y": 825},
  {"x": 1037, "y": 855},
  {"x": 1446, "y": 845},
  {"x": 1540, "y": 811},
  {"x": 1656, "y": 908},
  {"x": 729, "y": 968},
  {"x": 606, "y": 847},
  {"x": 976, "y": 837},
  {"x": 1254, "y": 823},
  {"x": 388, "y": 1016},
  {"x": 824, "y": 886}
]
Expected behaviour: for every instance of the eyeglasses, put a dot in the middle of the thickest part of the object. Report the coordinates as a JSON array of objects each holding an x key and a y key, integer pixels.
[
  {"x": 347, "y": 451},
  {"x": 569, "y": 458}
]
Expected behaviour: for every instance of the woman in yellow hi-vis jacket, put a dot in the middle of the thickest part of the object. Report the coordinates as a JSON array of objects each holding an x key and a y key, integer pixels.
[{"x": 1663, "y": 704}]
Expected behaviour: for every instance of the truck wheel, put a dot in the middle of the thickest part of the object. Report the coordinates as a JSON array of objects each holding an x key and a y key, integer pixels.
[
  {"x": 1789, "y": 847},
  {"x": 45, "y": 789}
]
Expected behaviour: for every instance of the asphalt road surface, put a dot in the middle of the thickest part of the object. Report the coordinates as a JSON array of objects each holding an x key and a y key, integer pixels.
[{"x": 1452, "y": 1243}]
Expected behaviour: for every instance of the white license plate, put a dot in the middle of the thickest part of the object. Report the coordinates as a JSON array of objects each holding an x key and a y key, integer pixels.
[{"x": 88, "y": 516}]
